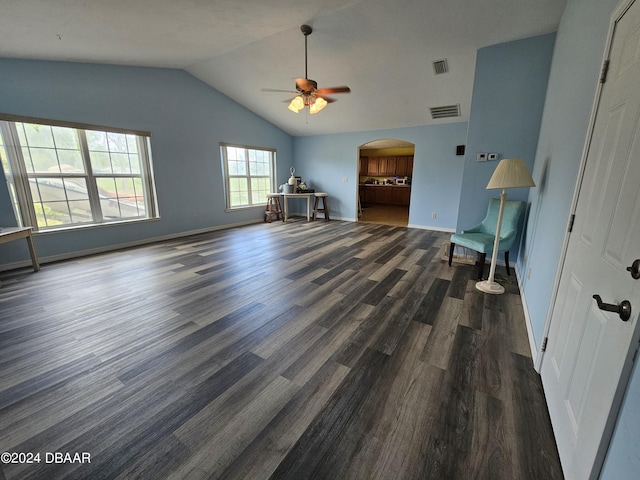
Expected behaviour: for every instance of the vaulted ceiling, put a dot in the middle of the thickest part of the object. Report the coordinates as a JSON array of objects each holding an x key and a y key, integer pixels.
[{"x": 382, "y": 49}]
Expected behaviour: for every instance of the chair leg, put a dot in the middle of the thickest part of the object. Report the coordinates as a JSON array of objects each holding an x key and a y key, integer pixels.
[
  {"x": 280, "y": 215},
  {"x": 451, "y": 247},
  {"x": 483, "y": 258},
  {"x": 273, "y": 209},
  {"x": 318, "y": 208},
  {"x": 506, "y": 262},
  {"x": 267, "y": 211}
]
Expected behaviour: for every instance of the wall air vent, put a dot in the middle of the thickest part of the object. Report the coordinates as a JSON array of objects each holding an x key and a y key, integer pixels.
[
  {"x": 446, "y": 111},
  {"x": 440, "y": 66}
]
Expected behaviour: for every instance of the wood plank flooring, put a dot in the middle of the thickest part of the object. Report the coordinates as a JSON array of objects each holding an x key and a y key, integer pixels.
[{"x": 322, "y": 350}]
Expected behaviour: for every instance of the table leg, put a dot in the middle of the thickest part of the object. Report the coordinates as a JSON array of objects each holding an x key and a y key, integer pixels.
[
  {"x": 32, "y": 252},
  {"x": 286, "y": 208},
  {"x": 308, "y": 207}
]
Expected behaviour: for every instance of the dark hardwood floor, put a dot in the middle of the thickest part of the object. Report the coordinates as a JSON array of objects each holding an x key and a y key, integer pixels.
[{"x": 322, "y": 350}]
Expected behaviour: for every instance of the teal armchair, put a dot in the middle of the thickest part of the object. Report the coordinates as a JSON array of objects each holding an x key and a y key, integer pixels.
[{"x": 482, "y": 237}]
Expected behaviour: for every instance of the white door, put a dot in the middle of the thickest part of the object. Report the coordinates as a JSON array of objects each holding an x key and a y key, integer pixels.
[{"x": 590, "y": 350}]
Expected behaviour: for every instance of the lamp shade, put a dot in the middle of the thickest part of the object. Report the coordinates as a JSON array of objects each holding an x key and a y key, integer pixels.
[{"x": 511, "y": 173}]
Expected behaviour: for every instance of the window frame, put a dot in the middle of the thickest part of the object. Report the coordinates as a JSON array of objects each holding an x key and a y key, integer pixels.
[
  {"x": 227, "y": 176},
  {"x": 20, "y": 180}
]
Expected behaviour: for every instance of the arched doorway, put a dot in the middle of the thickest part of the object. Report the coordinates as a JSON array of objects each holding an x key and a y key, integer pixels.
[{"x": 385, "y": 169}]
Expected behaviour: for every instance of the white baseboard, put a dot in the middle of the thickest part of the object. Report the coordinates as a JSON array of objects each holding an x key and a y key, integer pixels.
[
  {"x": 353, "y": 219},
  {"x": 527, "y": 320},
  {"x": 429, "y": 227},
  {"x": 120, "y": 246}
]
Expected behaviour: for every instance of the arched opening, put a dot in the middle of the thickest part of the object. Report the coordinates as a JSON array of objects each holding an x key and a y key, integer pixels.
[{"x": 385, "y": 169}]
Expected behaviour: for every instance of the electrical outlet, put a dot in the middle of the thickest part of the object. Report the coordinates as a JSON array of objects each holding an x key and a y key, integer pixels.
[
  {"x": 481, "y": 157},
  {"x": 529, "y": 274},
  {"x": 345, "y": 179},
  {"x": 434, "y": 215},
  {"x": 492, "y": 156}
]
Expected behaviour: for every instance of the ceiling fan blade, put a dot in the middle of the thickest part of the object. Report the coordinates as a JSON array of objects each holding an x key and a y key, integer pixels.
[
  {"x": 322, "y": 91},
  {"x": 328, "y": 99},
  {"x": 277, "y": 90}
]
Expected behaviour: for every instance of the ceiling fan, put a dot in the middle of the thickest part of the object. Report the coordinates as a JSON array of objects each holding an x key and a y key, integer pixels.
[{"x": 307, "y": 92}]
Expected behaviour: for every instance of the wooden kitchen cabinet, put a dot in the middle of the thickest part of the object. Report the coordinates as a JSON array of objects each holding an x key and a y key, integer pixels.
[
  {"x": 404, "y": 166},
  {"x": 384, "y": 194},
  {"x": 382, "y": 166},
  {"x": 369, "y": 195},
  {"x": 389, "y": 166},
  {"x": 372, "y": 166},
  {"x": 401, "y": 195},
  {"x": 363, "y": 169}
]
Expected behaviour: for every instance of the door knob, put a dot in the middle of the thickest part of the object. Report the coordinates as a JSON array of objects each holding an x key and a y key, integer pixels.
[
  {"x": 635, "y": 269},
  {"x": 624, "y": 309}
]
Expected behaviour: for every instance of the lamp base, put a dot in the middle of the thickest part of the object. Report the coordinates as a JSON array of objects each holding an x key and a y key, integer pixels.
[{"x": 487, "y": 286}]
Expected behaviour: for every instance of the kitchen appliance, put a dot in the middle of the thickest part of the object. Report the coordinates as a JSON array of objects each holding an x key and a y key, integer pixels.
[{"x": 402, "y": 181}]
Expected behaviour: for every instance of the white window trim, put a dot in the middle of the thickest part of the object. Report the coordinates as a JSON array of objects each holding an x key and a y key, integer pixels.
[
  {"x": 226, "y": 176},
  {"x": 20, "y": 177}
]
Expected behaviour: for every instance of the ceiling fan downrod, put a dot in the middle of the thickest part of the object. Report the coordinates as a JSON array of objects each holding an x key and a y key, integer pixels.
[{"x": 306, "y": 31}]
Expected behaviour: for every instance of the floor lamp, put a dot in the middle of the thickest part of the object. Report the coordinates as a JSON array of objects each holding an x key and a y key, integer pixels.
[{"x": 510, "y": 173}]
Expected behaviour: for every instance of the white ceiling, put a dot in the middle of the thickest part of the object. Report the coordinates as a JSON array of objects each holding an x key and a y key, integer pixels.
[{"x": 382, "y": 49}]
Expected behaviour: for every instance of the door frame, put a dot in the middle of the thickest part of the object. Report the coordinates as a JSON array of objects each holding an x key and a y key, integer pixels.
[
  {"x": 625, "y": 374},
  {"x": 358, "y": 156}
]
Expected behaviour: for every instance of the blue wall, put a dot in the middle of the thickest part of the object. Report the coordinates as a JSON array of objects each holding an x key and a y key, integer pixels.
[
  {"x": 325, "y": 160},
  {"x": 573, "y": 80},
  {"x": 623, "y": 458},
  {"x": 506, "y": 109},
  {"x": 572, "y": 86},
  {"x": 187, "y": 118}
]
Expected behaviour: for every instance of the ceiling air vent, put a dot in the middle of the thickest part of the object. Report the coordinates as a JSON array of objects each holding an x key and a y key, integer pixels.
[
  {"x": 445, "y": 112},
  {"x": 440, "y": 66}
]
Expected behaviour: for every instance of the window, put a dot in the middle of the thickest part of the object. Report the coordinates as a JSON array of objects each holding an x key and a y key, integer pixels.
[
  {"x": 249, "y": 175},
  {"x": 61, "y": 176}
]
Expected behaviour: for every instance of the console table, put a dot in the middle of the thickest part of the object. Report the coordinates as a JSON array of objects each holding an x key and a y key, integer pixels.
[
  {"x": 296, "y": 195},
  {"x": 8, "y": 234}
]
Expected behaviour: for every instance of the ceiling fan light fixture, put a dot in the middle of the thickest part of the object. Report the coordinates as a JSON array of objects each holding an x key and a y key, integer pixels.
[
  {"x": 296, "y": 104},
  {"x": 292, "y": 108},
  {"x": 307, "y": 92},
  {"x": 317, "y": 105}
]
